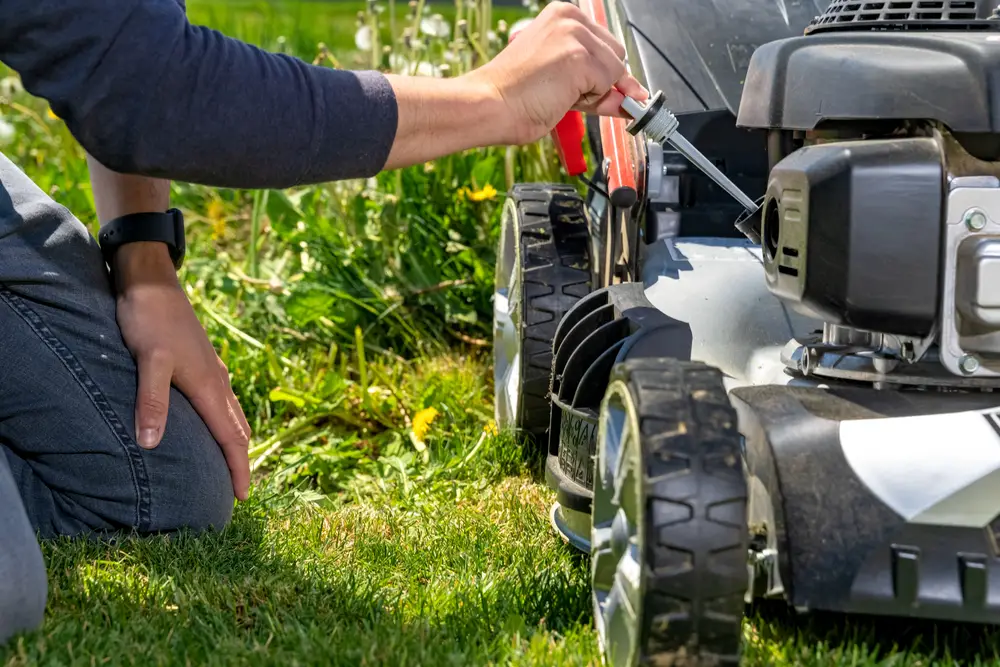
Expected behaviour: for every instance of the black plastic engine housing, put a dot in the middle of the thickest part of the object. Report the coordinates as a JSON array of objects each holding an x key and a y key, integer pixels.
[
  {"x": 852, "y": 233},
  {"x": 808, "y": 83}
]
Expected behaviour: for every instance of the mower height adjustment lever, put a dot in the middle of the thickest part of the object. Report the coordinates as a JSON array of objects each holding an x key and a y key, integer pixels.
[{"x": 660, "y": 125}]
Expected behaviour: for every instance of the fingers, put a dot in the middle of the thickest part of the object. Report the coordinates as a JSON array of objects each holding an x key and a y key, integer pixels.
[
  {"x": 603, "y": 68},
  {"x": 212, "y": 402},
  {"x": 629, "y": 86},
  {"x": 601, "y": 32},
  {"x": 610, "y": 104},
  {"x": 153, "y": 396},
  {"x": 611, "y": 71},
  {"x": 234, "y": 402}
]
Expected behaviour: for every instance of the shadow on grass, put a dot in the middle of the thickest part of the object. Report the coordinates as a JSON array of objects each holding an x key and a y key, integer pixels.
[
  {"x": 282, "y": 587},
  {"x": 959, "y": 643}
]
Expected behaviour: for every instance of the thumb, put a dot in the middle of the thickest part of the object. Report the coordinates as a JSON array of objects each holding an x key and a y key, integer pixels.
[{"x": 155, "y": 372}]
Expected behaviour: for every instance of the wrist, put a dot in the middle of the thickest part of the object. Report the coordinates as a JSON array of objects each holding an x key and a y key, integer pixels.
[
  {"x": 143, "y": 263},
  {"x": 439, "y": 117},
  {"x": 488, "y": 109}
]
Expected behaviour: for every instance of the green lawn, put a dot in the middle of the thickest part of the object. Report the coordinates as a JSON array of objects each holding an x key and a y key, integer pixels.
[{"x": 387, "y": 525}]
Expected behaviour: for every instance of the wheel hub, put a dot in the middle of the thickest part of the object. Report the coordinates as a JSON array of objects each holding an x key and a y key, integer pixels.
[{"x": 507, "y": 300}]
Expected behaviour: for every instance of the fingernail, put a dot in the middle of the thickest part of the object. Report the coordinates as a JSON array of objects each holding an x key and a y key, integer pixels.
[{"x": 147, "y": 438}]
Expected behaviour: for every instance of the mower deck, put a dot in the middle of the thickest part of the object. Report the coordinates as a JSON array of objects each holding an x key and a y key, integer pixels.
[{"x": 881, "y": 501}]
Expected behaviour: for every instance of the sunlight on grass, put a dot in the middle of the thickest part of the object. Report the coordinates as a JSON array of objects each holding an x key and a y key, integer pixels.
[{"x": 390, "y": 523}]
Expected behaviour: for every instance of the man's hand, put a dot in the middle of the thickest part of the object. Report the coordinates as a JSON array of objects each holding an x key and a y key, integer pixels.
[
  {"x": 162, "y": 332},
  {"x": 170, "y": 346},
  {"x": 561, "y": 60}
]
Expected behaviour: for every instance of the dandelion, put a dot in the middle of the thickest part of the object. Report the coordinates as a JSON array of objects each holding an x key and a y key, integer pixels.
[
  {"x": 363, "y": 38},
  {"x": 216, "y": 214},
  {"x": 422, "y": 423},
  {"x": 435, "y": 26},
  {"x": 6, "y": 133},
  {"x": 10, "y": 86},
  {"x": 491, "y": 428},
  {"x": 398, "y": 63},
  {"x": 427, "y": 69},
  {"x": 486, "y": 193}
]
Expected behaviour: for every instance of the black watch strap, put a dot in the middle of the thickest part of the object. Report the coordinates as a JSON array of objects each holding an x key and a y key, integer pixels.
[{"x": 167, "y": 227}]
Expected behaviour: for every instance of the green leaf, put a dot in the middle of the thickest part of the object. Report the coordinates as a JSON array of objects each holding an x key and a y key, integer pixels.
[
  {"x": 306, "y": 306},
  {"x": 298, "y": 398},
  {"x": 278, "y": 394},
  {"x": 484, "y": 172},
  {"x": 283, "y": 212}
]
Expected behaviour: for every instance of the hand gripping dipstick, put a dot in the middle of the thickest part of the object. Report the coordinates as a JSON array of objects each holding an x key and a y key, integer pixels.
[{"x": 660, "y": 125}]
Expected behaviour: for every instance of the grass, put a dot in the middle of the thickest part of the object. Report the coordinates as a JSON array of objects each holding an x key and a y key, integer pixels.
[{"x": 388, "y": 523}]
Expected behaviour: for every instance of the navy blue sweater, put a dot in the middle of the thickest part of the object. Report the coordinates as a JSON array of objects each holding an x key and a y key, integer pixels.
[{"x": 146, "y": 92}]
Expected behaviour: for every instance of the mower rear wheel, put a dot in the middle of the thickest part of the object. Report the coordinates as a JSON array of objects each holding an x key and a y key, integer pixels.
[
  {"x": 669, "y": 539},
  {"x": 543, "y": 268}
]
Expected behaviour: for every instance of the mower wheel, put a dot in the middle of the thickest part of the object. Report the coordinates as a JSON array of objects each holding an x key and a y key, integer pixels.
[
  {"x": 669, "y": 540},
  {"x": 543, "y": 268}
]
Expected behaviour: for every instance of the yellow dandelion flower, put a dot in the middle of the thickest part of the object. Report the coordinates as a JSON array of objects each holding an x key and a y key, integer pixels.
[
  {"x": 422, "y": 423},
  {"x": 491, "y": 428},
  {"x": 216, "y": 213},
  {"x": 488, "y": 192}
]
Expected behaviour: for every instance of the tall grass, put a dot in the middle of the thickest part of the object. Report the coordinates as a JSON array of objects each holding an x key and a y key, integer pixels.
[{"x": 324, "y": 300}]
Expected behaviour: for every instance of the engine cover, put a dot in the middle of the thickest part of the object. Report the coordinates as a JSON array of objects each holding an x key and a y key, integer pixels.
[
  {"x": 852, "y": 233},
  {"x": 801, "y": 83}
]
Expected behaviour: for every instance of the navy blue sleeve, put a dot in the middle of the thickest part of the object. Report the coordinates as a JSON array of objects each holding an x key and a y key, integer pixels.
[{"x": 146, "y": 92}]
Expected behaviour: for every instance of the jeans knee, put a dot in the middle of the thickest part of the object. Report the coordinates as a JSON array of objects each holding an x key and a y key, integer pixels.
[
  {"x": 23, "y": 586},
  {"x": 190, "y": 481}
]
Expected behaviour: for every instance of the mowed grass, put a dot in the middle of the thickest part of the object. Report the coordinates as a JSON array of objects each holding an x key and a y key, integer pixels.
[{"x": 388, "y": 523}]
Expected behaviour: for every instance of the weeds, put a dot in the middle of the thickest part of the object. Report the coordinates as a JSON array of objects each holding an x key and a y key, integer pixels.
[{"x": 324, "y": 301}]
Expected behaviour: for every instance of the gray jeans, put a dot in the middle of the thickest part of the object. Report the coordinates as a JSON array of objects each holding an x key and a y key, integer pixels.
[{"x": 69, "y": 462}]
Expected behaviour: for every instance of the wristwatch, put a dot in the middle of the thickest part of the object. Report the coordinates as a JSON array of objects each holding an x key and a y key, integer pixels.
[{"x": 165, "y": 227}]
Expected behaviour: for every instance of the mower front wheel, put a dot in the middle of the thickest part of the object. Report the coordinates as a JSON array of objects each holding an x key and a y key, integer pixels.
[{"x": 669, "y": 539}]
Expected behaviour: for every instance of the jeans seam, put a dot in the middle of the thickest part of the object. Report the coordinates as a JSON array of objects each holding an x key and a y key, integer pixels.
[{"x": 137, "y": 468}]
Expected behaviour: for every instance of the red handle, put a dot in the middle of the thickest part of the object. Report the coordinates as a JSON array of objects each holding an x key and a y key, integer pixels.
[{"x": 568, "y": 137}]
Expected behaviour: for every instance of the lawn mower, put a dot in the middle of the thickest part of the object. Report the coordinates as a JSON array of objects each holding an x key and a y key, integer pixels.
[{"x": 795, "y": 402}]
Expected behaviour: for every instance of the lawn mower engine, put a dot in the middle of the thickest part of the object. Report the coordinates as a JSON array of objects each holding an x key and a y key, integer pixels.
[
  {"x": 874, "y": 475},
  {"x": 800, "y": 404}
]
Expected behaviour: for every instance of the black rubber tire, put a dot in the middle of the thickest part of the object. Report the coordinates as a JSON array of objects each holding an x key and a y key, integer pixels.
[
  {"x": 555, "y": 273},
  {"x": 696, "y": 533}
]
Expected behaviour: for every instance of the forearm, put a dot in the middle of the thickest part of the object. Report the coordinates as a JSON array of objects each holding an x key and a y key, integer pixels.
[
  {"x": 118, "y": 194},
  {"x": 146, "y": 92},
  {"x": 440, "y": 117}
]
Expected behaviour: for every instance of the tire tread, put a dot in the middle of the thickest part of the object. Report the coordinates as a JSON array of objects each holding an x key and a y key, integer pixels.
[
  {"x": 556, "y": 274},
  {"x": 697, "y": 536}
]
